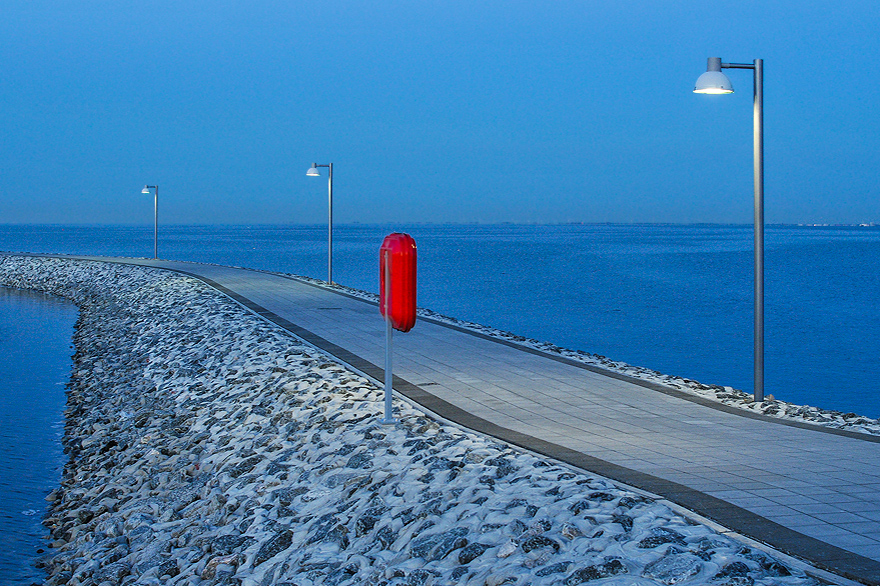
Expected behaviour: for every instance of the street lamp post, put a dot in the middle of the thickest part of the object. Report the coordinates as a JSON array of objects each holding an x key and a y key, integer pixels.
[
  {"x": 146, "y": 190},
  {"x": 715, "y": 82},
  {"x": 313, "y": 172}
]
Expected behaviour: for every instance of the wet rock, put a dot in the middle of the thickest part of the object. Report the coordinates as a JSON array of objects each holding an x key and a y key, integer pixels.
[
  {"x": 674, "y": 567},
  {"x": 516, "y": 528},
  {"x": 537, "y": 542},
  {"x": 609, "y": 568},
  {"x": 168, "y": 568},
  {"x": 602, "y": 497},
  {"x": 438, "y": 546},
  {"x": 418, "y": 577},
  {"x": 244, "y": 466},
  {"x": 503, "y": 466},
  {"x": 273, "y": 546},
  {"x": 733, "y": 574},
  {"x": 557, "y": 568},
  {"x": 472, "y": 551},
  {"x": 661, "y": 535},
  {"x": 361, "y": 460},
  {"x": 624, "y": 521},
  {"x": 286, "y": 495},
  {"x": 210, "y": 571},
  {"x": 386, "y": 537},
  {"x": 226, "y": 544},
  {"x": 579, "y": 506},
  {"x": 113, "y": 573},
  {"x": 365, "y": 524},
  {"x": 507, "y": 549},
  {"x": 416, "y": 446}
]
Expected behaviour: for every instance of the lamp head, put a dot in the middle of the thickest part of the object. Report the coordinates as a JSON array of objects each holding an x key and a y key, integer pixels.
[
  {"x": 713, "y": 81},
  {"x": 313, "y": 171},
  {"x": 145, "y": 189}
]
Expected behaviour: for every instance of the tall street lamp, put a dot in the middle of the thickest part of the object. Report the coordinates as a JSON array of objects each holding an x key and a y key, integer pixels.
[
  {"x": 313, "y": 172},
  {"x": 146, "y": 190},
  {"x": 715, "y": 82}
]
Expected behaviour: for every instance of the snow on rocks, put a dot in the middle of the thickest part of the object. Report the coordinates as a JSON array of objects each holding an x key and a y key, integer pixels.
[
  {"x": 771, "y": 406},
  {"x": 207, "y": 446}
]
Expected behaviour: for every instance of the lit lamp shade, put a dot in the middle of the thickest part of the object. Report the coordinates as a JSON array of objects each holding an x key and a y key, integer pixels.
[
  {"x": 313, "y": 172},
  {"x": 145, "y": 189},
  {"x": 713, "y": 81}
]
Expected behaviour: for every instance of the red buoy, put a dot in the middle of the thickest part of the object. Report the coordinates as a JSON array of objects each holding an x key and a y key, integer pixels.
[{"x": 397, "y": 263}]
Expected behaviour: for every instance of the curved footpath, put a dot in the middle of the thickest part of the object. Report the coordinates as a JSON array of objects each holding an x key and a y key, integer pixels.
[{"x": 810, "y": 492}]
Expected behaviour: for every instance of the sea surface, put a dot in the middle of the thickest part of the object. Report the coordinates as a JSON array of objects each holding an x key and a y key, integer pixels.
[
  {"x": 674, "y": 298},
  {"x": 36, "y": 331}
]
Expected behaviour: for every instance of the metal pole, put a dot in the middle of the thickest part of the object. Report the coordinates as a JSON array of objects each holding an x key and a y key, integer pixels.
[
  {"x": 389, "y": 377},
  {"x": 330, "y": 230},
  {"x": 759, "y": 229},
  {"x": 156, "y": 223},
  {"x": 758, "y": 69}
]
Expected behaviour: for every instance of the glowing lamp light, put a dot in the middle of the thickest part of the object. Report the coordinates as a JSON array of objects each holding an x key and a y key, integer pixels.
[
  {"x": 313, "y": 171},
  {"x": 145, "y": 190},
  {"x": 713, "y": 81}
]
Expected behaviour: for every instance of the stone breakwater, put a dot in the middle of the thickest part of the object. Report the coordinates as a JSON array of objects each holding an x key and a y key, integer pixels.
[{"x": 207, "y": 446}]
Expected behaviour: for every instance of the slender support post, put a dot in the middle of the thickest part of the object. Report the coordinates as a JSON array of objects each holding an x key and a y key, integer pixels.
[
  {"x": 156, "y": 223},
  {"x": 330, "y": 229},
  {"x": 389, "y": 377},
  {"x": 759, "y": 229},
  {"x": 758, "y": 69}
]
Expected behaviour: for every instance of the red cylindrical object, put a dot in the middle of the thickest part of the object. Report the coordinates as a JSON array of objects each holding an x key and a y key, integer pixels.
[{"x": 397, "y": 302}]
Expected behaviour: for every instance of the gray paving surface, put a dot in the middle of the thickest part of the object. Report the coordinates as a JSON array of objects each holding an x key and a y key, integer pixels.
[{"x": 809, "y": 493}]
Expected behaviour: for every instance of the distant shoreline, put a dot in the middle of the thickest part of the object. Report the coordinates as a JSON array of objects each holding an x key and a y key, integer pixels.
[{"x": 516, "y": 224}]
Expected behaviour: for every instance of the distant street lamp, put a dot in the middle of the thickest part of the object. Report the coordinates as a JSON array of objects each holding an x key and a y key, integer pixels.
[
  {"x": 313, "y": 172},
  {"x": 146, "y": 190},
  {"x": 715, "y": 82}
]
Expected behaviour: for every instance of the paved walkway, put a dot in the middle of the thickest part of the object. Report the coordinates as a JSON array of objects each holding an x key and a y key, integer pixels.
[{"x": 809, "y": 492}]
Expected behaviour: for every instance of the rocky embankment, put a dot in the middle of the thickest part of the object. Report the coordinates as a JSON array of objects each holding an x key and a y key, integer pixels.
[{"x": 207, "y": 446}]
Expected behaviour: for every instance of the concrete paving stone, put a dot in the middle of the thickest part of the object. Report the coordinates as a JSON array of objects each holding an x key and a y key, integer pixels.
[
  {"x": 793, "y": 484},
  {"x": 868, "y": 551},
  {"x": 776, "y": 513},
  {"x": 826, "y": 532},
  {"x": 796, "y": 520},
  {"x": 818, "y": 509},
  {"x": 847, "y": 502},
  {"x": 838, "y": 518},
  {"x": 748, "y": 501},
  {"x": 853, "y": 541},
  {"x": 772, "y": 492},
  {"x": 859, "y": 489},
  {"x": 867, "y": 528},
  {"x": 791, "y": 500}
]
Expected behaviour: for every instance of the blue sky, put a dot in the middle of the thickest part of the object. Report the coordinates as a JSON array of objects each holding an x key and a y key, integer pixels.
[{"x": 488, "y": 111}]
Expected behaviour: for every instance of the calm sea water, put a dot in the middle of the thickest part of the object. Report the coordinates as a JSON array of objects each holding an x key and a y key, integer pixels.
[
  {"x": 677, "y": 299},
  {"x": 35, "y": 349}
]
